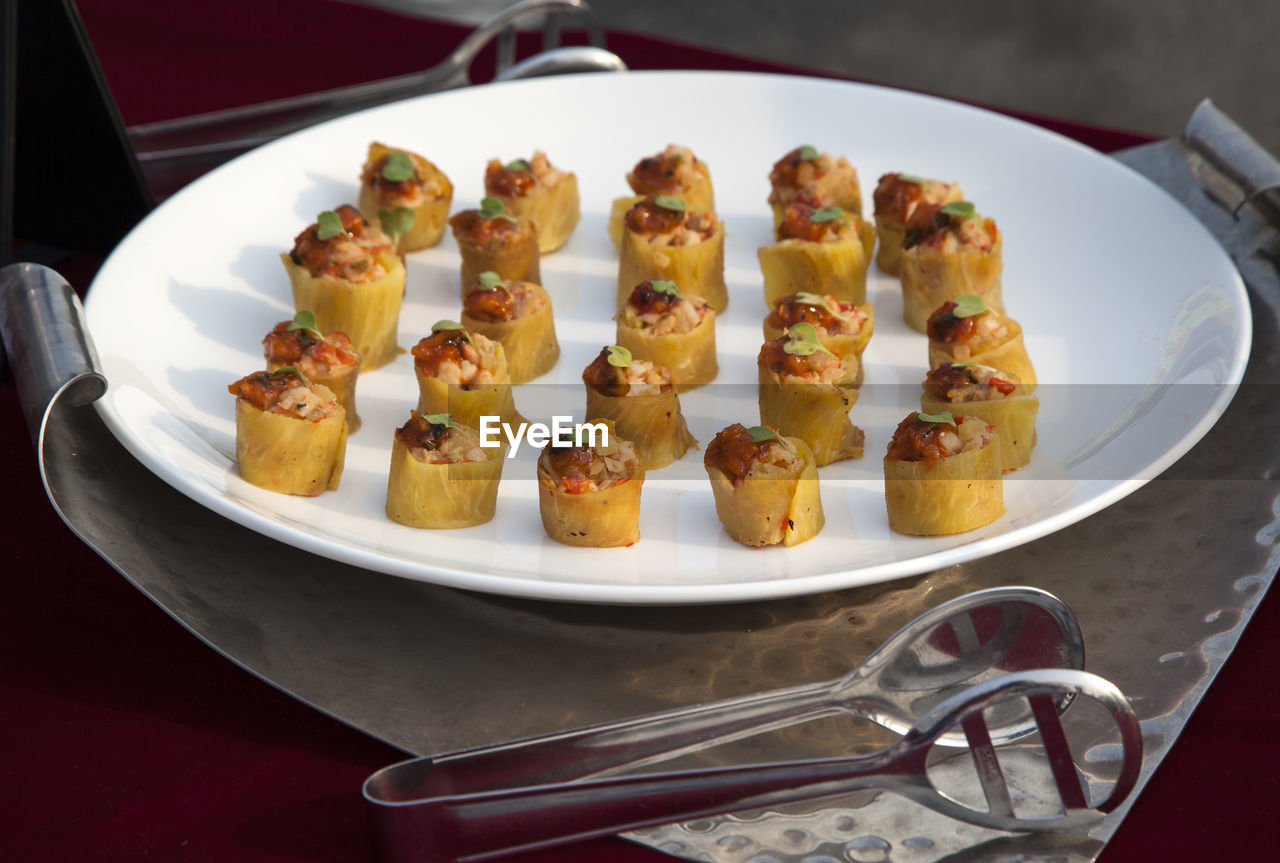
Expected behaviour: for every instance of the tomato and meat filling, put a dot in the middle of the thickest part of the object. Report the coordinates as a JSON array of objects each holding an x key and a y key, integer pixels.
[
  {"x": 978, "y": 332},
  {"x": 740, "y": 456},
  {"x": 969, "y": 382},
  {"x": 287, "y": 393},
  {"x": 674, "y": 171},
  {"x": 522, "y": 177},
  {"x": 492, "y": 233},
  {"x": 669, "y": 226},
  {"x": 658, "y": 313},
  {"x": 351, "y": 247},
  {"x": 582, "y": 468},
  {"x": 505, "y": 301},
  {"x": 401, "y": 179},
  {"x": 611, "y": 375},
  {"x": 438, "y": 440},
  {"x": 817, "y": 367},
  {"x": 312, "y": 353},
  {"x": 828, "y": 315},
  {"x": 897, "y": 196},
  {"x": 805, "y": 222},
  {"x": 457, "y": 356},
  {"x": 814, "y": 178},
  {"x": 933, "y": 226},
  {"x": 921, "y": 437}
]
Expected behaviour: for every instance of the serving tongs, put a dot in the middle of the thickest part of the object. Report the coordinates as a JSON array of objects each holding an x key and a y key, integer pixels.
[
  {"x": 205, "y": 140},
  {"x": 991, "y": 666}
]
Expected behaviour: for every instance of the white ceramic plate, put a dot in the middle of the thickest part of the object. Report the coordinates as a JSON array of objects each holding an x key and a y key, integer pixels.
[{"x": 1135, "y": 318}]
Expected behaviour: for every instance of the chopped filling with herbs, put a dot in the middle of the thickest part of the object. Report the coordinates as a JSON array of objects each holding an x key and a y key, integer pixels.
[{"x": 351, "y": 253}]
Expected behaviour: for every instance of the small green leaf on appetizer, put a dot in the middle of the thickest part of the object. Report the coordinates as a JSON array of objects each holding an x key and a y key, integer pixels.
[
  {"x": 291, "y": 370},
  {"x": 619, "y": 356},
  {"x": 328, "y": 225},
  {"x": 807, "y": 153},
  {"x": 305, "y": 319},
  {"x": 960, "y": 209},
  {"x": 398, "y": 167},
  {"x": 518, "y": 165},
  {"x": 802, "y": 340},
  {"x": 670, "y": 202},
  {"x": 818, "y": 300},
  {"x": 767, "y": 433},
  {"x": 489, "y": 281},
  {"x": 443, "y": 325},
  {"x": 944, "y": 417},
  {"x": 445, "y": 420},
  {"x": 911, "y": 178},
  {"x": 665, "y": 287},
  {"x": 678, "y": 158},
  {"x": 492, "y": 208},
  {"x": 827, "y": 214},
  {"x": 969, "y": 305},
  {"x": 396, "y": 223}
]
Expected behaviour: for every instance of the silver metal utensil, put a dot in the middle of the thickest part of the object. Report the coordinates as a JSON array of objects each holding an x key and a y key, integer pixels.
[
  {"x": 472, "y": 825},
  {"x": 968, "y": 640}
]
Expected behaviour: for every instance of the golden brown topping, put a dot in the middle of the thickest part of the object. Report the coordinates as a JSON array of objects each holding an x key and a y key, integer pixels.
[
  {"x": 734, "y": 452},
  {"x": 916, "y": 439},
  {"x": 285, "y": 392},
  {"x": 895, "y": 198},
  {"x": 804, "y": 222},
  {"x": 417, "y": 433},
  {"x": 495, "y": 305},
  {"x": 606, "y": 378},
  {"x": 961, "y": 382},
  {"x": 286, "y": 347},
  {"x": 509, "y": 181},
  {"x": 647, "y": 218},
  {"x": 774, "y": 358},
  {"x": 445, "y": 346},
  {"x": 349, "y": 254},
  {"x": 645, "y": 299},
  {"x": 791, "y": 309},
  {"x": 474, "y": 228},
  {"x": 797, "y": 169},
  {"x": 671, "y": 172}
]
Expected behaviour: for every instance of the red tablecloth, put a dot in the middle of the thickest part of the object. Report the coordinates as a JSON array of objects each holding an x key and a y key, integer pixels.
[{"x": 129, "y": 739}]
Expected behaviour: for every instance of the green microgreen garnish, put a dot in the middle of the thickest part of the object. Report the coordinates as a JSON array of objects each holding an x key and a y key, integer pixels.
[
  {"x": 678, "y": 158},
  {"x": 670, "y": 202},
  {"x": 396, "y": 223},
  {"x": 827, "y": 214},
  {"x": 492, "y": 208},
  {"x": 766, "y": 433},
  {"x": 912, "y": 178},
  {"x": 807, "y": 152},
  {"x": 665, "y": 287},
  {"x": 944, "y": 417},
  {"x": 443, "y": 325},
  {"x": 291, "y": 370},
  {"x": 821, "y": 302},
  {"x": 518, "y": 165},
  {"x": 328, "y": 225},
  {"x": 802, "y": 340},
  {"x": 445, "y": 420},
  {"x": 618, "y": 356},
  {"x": 305, "y": 319},
  {"x": 968, "y": 306},
  {"x": 398, "y": 167},
  {"x": 960, "y": 209},
  {"x": 489, "y": 281}
]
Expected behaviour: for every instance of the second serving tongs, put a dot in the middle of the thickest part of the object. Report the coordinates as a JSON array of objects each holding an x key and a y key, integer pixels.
[
  {"x": 482, "y": 825},
  {"x": 967, "y": 641}
]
